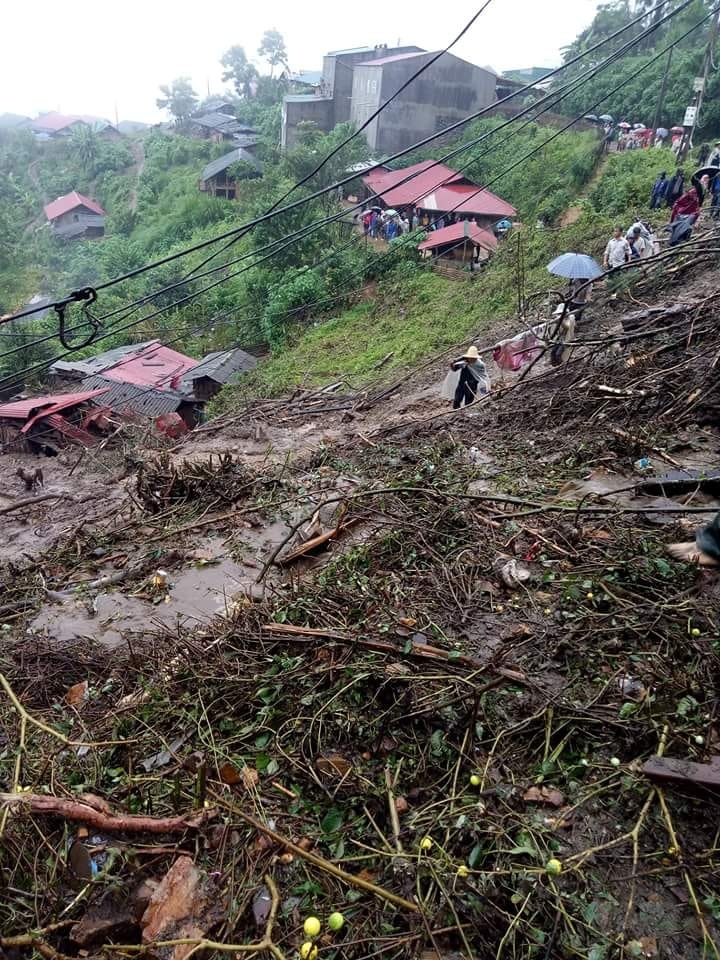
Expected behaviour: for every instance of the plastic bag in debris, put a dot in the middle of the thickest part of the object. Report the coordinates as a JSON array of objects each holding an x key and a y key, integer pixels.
[{"x": 449, "y": 386}]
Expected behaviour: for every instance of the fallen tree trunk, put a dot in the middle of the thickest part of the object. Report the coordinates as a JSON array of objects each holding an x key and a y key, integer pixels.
[
  {"x": 29, "y": 501},
  {"x": 80, "y": 812}
]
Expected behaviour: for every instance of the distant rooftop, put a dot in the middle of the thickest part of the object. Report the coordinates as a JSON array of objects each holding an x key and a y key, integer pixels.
[
  {"x": 301, "y": 97},
  {"x": 227, "y": 160},
  {"x": 381, "y": 61},
  {"x": 338, "y": 53}
]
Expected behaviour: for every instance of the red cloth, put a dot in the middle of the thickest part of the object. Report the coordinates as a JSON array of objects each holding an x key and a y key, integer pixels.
[{"x": 686, "y": 205}]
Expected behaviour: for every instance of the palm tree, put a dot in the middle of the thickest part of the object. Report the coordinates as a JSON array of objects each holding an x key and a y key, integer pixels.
[{"x": 86, "y": 146}]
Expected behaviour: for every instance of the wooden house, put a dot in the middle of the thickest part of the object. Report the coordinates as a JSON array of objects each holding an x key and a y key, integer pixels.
[
  {"x": 220, "y": 180},
  {"x": 75, "y": 217}
]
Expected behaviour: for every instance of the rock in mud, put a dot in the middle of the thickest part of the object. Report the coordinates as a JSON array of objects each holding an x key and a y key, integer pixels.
[{"x": 111, "y": 921}]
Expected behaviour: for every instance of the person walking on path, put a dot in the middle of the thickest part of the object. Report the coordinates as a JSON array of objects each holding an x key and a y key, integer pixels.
[
  {"x": 689, "y": 204},
  {"x": 658, "y": 191},
  {"x": 472, "y": 380},
  {"x": 617, "y": 251},
  {"x": 703, "y": 154},
  {"x": 675, "y": 189},
  {"x": 714, "y": 159}
]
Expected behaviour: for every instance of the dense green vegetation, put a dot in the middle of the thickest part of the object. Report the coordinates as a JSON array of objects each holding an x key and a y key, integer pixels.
[
  {"x": 637, "y": 100},
  {"x": 301, "y": 299}
]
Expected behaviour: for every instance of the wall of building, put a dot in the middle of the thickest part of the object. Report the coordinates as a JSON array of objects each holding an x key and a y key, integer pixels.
[
  {"x": 78, "y": 223},
  {"x": 450, "y": 90},
  {"x": 319, "y": 110}
]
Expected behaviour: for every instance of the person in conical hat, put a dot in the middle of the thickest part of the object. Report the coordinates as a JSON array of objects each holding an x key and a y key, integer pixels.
[{"x": 473, "y": 379}]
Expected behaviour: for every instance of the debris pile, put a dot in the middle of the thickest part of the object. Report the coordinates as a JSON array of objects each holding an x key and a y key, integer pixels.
[{"x": 486, "y": 729}]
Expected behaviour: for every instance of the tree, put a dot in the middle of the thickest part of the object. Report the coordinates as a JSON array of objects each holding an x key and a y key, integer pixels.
[
  {"x": 85, "y": 144},
  {"x": 272, "y": 49},
  {"x": 179, "y": 99},
  {"x": 239, "y": 70}
]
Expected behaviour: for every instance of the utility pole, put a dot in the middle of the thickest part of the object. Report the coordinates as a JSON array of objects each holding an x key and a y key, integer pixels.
[{"x": 692, "y": 113}]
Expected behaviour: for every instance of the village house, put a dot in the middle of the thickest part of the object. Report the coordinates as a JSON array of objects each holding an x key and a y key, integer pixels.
[
  {"x": 222, "y": 126},
  {"x": 151, "y": 380},
  {"x": 43, "y": 424},
  {"x": 431, "y": 190},
  {"x": 215, "y": 370},
  {"x": 74, "y": 216},
  {"x": 59, "y": 125},
  {"x": 463, "y": 242},
  {"x": 355, "y": 83},
  {"x": 221, "y": 177}
]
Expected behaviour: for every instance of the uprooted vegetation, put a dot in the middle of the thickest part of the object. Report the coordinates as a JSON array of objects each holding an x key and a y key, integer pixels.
[{"x": 438, "y": 727}]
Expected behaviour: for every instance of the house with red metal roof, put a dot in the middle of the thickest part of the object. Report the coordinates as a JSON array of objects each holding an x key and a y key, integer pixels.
[
  {"x": 44, "y": 422},
  {"x": 433, "y": 190},
  {"x": 74, "y": 216},
  {"x": 56, "y": 125},
  {"x": 464, "y": 241}
]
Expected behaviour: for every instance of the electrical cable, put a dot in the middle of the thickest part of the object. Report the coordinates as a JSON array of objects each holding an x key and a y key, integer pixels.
[
  {"x": 521, "y": 160},
  {"x": 307, "y": 229},
  {"x": 340, "y": 183}
]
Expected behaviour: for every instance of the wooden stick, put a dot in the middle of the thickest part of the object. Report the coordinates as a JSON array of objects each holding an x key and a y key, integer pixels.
[
  {"x": 120, "y": 823},
  {"x": 425, "y": 652},
  {"x": 318, "y": 861},
  {"x": 29, "y": 501}
]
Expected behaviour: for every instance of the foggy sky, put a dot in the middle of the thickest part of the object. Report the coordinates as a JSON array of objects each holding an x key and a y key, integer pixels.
[{"x": 79, "y": 56}]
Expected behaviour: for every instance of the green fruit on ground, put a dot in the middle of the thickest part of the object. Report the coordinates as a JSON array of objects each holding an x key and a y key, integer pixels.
[
  {"x": 475, "y": 780},
  {"x": 553, "y": 867},
  {"x": 336, "y": 921}
]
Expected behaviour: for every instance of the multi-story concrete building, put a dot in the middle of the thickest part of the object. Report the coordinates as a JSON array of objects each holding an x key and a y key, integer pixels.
[{"x": 356, "y": 82}]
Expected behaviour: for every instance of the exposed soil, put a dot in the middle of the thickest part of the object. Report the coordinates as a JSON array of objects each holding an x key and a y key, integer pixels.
[{"x": 494, "y": 602}]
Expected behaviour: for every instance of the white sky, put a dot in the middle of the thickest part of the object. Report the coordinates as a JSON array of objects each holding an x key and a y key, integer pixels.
[{"x": 89, "y": 56}]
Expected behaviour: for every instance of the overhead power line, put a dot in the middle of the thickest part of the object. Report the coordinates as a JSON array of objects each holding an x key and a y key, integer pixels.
[
  {"x": 306, "y": 230},
  {"x": 243, "y": 228},
  {"x": 520, "y": 161}
]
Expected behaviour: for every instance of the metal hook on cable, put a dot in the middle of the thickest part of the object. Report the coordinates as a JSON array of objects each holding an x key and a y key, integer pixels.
[{"x": 86, "y": 296}]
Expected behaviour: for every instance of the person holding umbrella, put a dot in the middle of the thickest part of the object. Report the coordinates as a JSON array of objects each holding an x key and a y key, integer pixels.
[{"x": 580, "y": 270}]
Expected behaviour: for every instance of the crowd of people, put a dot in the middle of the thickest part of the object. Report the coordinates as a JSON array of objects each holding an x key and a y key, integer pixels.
[{"x": 636, "y": 136}]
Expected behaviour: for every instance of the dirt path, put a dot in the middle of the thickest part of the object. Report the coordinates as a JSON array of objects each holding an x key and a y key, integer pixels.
[
  {"x": 572, "y": 214},
  {"x": 138, "y": 152}
]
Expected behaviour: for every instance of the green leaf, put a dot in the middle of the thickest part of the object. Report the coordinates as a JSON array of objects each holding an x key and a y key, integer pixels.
[
  {"x": 686, "y": 706},
  {"x": 262, "y": 740},
  {"x": 475, "y": 856},
  {"x": 272, "y": 767},
  {"x": 628, "y": 709},
  {"x": 332, "y": 821}
]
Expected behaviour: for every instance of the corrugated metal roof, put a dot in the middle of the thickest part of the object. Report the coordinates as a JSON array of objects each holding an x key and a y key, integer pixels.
[
  {"x": 425, "y": 177},
  {"x": 69, "y": 202},
  {"x": 154, "y": 366},
  {"x": 32, "y": 407},
  {"x": 54, "y": 121},
  {"x": 455, "y": 233},
  {"x": 222, "y": 365},
  {"x": 227, "y": 160},
  {"x": 304, "y": 98},
  {"x": 463, "y": 198},
  {"x": 339, "y": 53},
  {"x": 381, "y": 61},
  {"x": 98, "y": 363},
  {"x": 148, "y": 401},
  {"x": 436, "y": 187},
  {"x": 224, "y": 122}
]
